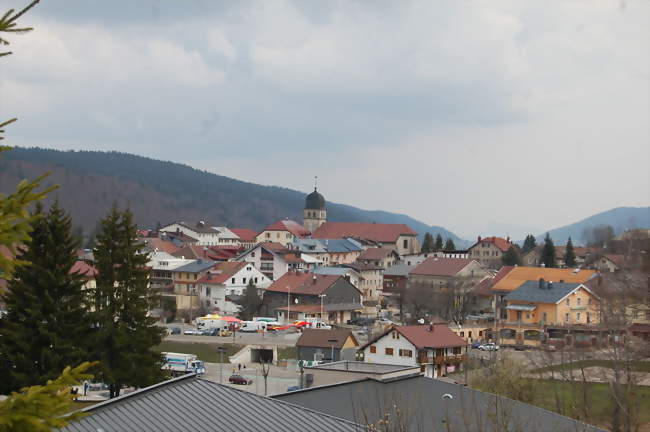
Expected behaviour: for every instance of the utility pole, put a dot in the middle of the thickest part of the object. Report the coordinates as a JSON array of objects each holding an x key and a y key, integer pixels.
[
  {"x": 221, "y": 350},
  {"x": 288, "y": 302},
  {"x": 322, "y": 296}
]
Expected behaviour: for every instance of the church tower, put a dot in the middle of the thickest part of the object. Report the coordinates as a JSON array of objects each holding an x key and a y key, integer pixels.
[{"x": 314, "y": 214}]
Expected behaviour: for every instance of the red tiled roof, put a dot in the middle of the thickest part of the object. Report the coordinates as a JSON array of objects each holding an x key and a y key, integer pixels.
[
  {"x": 424, "y": 336},
  {"x": 388, "y": 233},
  {"x": 433, "y": 266},
  {"x": 503, "y": 272},
  {"x": 273, "y": 246},
  {"x": 245, "y": 234},
  {"x": 303, "y": 283},
  {"x": 161, "y": 245},
  {"x": 374, "y": 254},
  {"x": 288, "y": 225},
  {"x": 221, "y": 272},
  {"x": 84, "y": 269},
  {"x": 499, "y": 242},
  {"x": 320, "y": 338},
  {"x": 619, "y": 260}
]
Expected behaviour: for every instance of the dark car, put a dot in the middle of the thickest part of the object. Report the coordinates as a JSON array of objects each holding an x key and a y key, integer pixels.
[
  {"x": 476, "y": 344},
  {"x": 175, "y": 330},
  {"x": 210, "y": 332},
  {"x": 238, "y": 379},
  {"x": 361, "y": 321},
  {"x": 293, "y": 388}
]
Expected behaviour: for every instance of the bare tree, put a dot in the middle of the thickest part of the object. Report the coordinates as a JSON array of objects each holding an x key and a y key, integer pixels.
[{"x": 265, "y": 368}]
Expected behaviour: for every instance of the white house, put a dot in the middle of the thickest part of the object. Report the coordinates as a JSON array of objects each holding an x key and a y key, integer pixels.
[
  {"x": 269, "y": 258},
  {"x": 227, "y": 281},
  {"x": 204, "y": 234},
  {"x": 434, "y": 347},
  {"x": 416, "y": 259}
]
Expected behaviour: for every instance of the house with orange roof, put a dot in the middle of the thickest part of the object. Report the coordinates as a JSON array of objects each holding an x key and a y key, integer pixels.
[
  {"x": 489, "y": 250},
  {"x": 283, "y": 232},
  {"x": 225, "y": 283},
  {"x": 399, "y": 237},
  {"x": 247, "y": 237}
]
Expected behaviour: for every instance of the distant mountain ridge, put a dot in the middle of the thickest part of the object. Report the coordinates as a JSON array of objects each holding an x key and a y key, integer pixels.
[
  {"x": 161, "y": 191},
  {"x": 620, "y": 218}
]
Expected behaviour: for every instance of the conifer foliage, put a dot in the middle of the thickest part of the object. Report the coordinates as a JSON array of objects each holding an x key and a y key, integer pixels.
[
  {"x": 47, "y": 324},
  {"x": 450, "y": 245},
  {"x": 427, "y": 243},
  {"x": 548, "y": 252},
  {"x": 439, "y": 244},
  {"x": 529, "y": 243},
  {"x": 125, "y": 333},
  {"x": 569, "y": 254},
  {"x": 511, "y": 257}
]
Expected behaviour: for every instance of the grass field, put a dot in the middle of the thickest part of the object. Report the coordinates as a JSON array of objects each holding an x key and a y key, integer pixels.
[
  {"x": 204, "y": 351},
  {"x": 639, "y": 366},
  {"x": 598, "y": 396}
]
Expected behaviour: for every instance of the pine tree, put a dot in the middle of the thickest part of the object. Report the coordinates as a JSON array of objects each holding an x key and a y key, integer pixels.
[
  {"x": 569, "y": 254},
  {"x": 439, "y": 244},
  {"x": 47, "y": 323},
  {"x": 250, "y": 302},
  {"x": 450, "y": 245},
  {"x": 511, "y": 257},
  {"x": 529, "y": 244},
  {"x": 427, "y": 243},
  {"x": 548, "y": 252},
  {"x": 125, "y": 333}
]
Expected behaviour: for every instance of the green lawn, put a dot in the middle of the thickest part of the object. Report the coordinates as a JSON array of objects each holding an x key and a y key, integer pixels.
[
  {"x": 290, "y": 352},
  {"x": 639, "y": 366},
  {"x": 204, "y": 351},
  {"x": 598, "y": 396}
]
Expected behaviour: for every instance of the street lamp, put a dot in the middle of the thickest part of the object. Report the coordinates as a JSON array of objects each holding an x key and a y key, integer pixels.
[
  {"x": 322, "y": 296},
  {"x": 332, "y": 342},
  {"x": 288, "y": 302}
]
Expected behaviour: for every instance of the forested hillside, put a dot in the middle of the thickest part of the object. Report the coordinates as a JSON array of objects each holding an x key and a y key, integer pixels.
[{"x": 159, "y": 191}]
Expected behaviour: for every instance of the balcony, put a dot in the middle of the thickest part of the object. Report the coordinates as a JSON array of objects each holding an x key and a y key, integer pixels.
[{"x": 454, "y": 358}]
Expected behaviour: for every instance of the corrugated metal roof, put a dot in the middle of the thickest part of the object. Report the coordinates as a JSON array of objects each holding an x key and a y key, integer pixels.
[{"x": 189, "y": 403}]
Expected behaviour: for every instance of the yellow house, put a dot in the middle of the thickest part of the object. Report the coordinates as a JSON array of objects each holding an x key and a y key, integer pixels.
[
  {"x": 283, "y": 232},
  {"x": 552, "y": 303}
]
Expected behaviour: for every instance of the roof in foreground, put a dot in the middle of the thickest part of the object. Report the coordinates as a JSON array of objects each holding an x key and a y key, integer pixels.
[
  {"x": 368, "y": 368},
  {"x": 542, "y": 292},
  {"x": 325, "y": 338},
  {"x": 424, "y": 336},
  {"x": 422, "y": 407},
  {"x": 189, "y": 403}
]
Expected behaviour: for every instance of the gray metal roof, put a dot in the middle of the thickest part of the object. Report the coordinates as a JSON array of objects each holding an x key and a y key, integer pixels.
[
  {"x": 398, "y": 270},
  {"x": 192, "y": 404},
  {"x": 422, "y": 407},
  {"x": 541, "y": 292},
  {"x": 310, "y": 245},
  {"x": 369, "y": 368},
  {"x": 341, "y": 271},
  {"x": 196, "y": 266}
]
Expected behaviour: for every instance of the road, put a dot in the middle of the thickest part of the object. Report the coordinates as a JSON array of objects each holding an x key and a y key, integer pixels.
[
  {"x": 279, "y": 379},
  {"x": 279, "y": 339}
]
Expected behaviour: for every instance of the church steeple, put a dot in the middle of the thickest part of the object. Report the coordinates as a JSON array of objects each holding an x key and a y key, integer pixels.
[{"x": 315, "y": 213}]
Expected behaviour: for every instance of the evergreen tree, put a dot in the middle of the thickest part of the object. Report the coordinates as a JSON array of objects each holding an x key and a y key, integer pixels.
[
  {"x": 427, "y": 243},
  {"x": 125, "y": 333},
  {"x": 47, "y": 324},
  {"x": 548, "y": 252},
  {"x": 529, "y": 243},
  {"x": 450, "y": 245},
  {"x": 250, "y": 302},
  {"x": 569, "y": 254},
  {"x": 439, "y": 244},
  {"x": 511, "y": 257}
]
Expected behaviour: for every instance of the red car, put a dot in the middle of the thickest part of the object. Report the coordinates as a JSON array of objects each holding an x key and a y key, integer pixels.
[{"x": 238, "y": 379}]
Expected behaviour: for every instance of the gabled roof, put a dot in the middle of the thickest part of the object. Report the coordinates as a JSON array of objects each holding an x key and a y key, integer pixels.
[
  {"x": 318, "y": 338},
  {"x": 222, "y": 272},
  {"x": 388, "y": 233},
  {"x": 375, "y": 254},
  {"x": 424, "y": 336},
  {"x": 303, "y": 283},
  {"x": 518, "y": 275},
  {"x": 245, "y": 235},
  {"x": 400, "y": 269},
  {"x": 154, "y": 243},
  {"x": 340, "y": 271},
  {"x": 193, "y": 252},
  {"x": 84, "y": 269},
  {"x": 433, "y": 266},
  {"x": 288, "y": 225},
  {"x": 544, "y": 292},
  {"x": 189, "y": 403},
  {"x": 500, "y": 242},
  {"x": 195, "y": 267}
]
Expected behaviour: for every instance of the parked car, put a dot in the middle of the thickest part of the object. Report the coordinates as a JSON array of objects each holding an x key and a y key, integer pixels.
[
  {"x": 489, "y": 347},
  {"x": 240, "y": 380},
  {"x": 209, "y": 332},
  {"x": 361, "y": 321},
  {"x": 293, "y": 388},
  {"x": 174, "y": 330},
  {"x": 384, "y": 321},
  {"x": 192, "y": 332},
  {"x": 476, "y": 345}
]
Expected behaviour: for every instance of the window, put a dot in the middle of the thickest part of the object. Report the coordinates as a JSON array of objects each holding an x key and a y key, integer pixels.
[
  {"x": 207, "y": 291},
  {"x": 253, "y": 254},
  {"x": 232, "y": 280},
  {"x": 578, "y": 301},
  {"x": 469, "y": 333},
  {"x": 248, "y": 268},
  {"x": 388, "y": 351},
  {"x": 578, "y": 316},
  {"x": 527, "y": 315},
  {"x": 480, "y": 333},
  {"x": 462, "y": 334},
  {"x": 588, "y": 317},
  {"x": 406, "y": 243},
  {"x": 544, "y": 316},
  {"x": 243, "y": 280},
  {"x": 405, "y": 353},
  {"x": 255, "y": 280},
  {"x": 566, "y": 317},
  {"x": 589, "y": 301},
  {"x": 268, "y": 235},
  {"x": 568, "y": 302},
  {"x": 373, "y": 349}
]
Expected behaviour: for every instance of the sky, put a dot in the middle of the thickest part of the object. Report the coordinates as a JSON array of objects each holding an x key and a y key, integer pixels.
[{"x": 492, "y": 117}]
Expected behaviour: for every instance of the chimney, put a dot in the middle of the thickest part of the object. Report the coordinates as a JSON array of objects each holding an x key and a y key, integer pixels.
[
  {"x": 430, "y": 329},
  {"x": 508, "y": 239},
  {"x": 313, "y": 280},
  {"x": 541, "y": 283},
  {"x": 479, "y": 238},
  {"x": 549, "y": 285}
]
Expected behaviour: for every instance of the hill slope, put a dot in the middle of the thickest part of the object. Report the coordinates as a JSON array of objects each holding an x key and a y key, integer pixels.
[
  {"x": 620, "y": 218},
  {"x": 159, "y": 191}
]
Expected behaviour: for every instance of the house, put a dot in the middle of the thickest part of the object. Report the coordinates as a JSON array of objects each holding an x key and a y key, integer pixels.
[
  {"x": 533, "y": 258},
  {"x": 283, "y": 232},
  {"x": 326, "y": 345},
  {"x": 480, "y": 303},
  {"x": 382, "y": 257},
  {"x": 88, "y": 271},
  {"x": 347, "y": 370},
  {"x": 372, "y": 285},
  {"x": 162, "y": 264},
  {"x": 395, "y": 284},
  {"x": 247, "y": 237},
  {"x": 349, "y": 273},
  {"x": 204, "y": 234},
  {"x": 415, "y": 259},
  {"x": 606, "y": 263},
  {"x": 185, "y": 281},
  {"x": 399, "y": 237},
  {"x": 434, "y": 347},
  {"x": 472, "y": 331},
  {"x": 489, "y": 250},
  {"x": 189, "y": 403},
  {"x": 268, "y": 257},
  {"x": 298, "y": 296},
  {"x": 153, "y": 244},
  {"x": 329, "y": 251},
  {"x": 441, "y": 273},
  {"x": 510, "y": 278},
  {"x": 415, "y": 403},
  {"x": 226, "y": 282}
]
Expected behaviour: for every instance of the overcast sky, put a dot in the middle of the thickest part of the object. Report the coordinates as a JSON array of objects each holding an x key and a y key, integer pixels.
[{"x": 502, "y": 116}]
